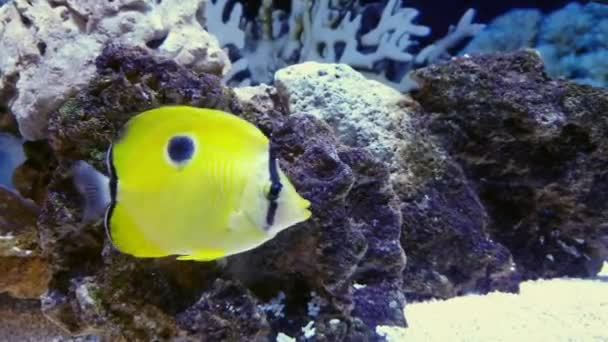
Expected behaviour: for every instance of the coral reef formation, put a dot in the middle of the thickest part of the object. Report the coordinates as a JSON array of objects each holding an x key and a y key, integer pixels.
[
  {"x": 58, "y": 42},
  {"x": 354, "y": 237},
  {"x": 444, "y": 227},
  {"x": 368, "y": 37},
  {"x": 535, "y": 148},
  {"x": 571, "y": 40},
  {"x": 489, "y": 174}
]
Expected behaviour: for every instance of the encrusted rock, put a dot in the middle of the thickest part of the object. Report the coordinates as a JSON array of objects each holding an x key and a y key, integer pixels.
[
  {"x": 353, "y": 237},
  {"x": 363, "y": 112},
  {"x": 444, "y": 259},
  {"x": 21, "y": 320},
  {"x": 445, "y": 235},
  {"x": 262, "y": 106},
  {"x": 228, "y": 312},
  {"x": 58, "y": 41},
  {"x": 25, "y": 273},
  {"x": 536, "y": 150},
  {"x": 129, "y": 81}
]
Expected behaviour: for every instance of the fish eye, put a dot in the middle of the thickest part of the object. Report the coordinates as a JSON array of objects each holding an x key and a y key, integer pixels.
[{"x": 180, "y": 149}]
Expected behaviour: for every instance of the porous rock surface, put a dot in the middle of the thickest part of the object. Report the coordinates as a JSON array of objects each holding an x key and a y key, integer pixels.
[
  {"x": 353, "y": 237},
  {"x": 499, "y": 173},
  {"x": 444, "y": 224},
  {"x": 536, "y": 150},
  {"x": 363, "y": 112},
  {"x": 48, "y": 47}
]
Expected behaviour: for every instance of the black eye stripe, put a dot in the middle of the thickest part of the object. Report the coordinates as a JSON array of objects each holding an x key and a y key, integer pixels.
[
  {"x": 180, "y": 149},
  {"x": 275, "y": 189}
]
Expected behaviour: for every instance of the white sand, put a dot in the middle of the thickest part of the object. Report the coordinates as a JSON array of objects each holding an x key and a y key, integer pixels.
[{"x": 548, "y": 310}]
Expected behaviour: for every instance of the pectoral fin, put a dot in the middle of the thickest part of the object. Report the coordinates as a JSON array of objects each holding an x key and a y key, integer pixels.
[{"x": 94, "y": 188}]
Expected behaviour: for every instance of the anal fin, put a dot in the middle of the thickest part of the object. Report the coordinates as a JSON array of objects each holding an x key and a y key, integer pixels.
[{"x": 204, "y": 255}]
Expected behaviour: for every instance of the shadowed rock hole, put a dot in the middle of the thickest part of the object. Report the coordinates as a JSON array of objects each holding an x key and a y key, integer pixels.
[
  {"x": 456, "y": 275},
  {"x": 9, "y": 92},
  {"x": 133, "y": 76},
  {"x": 41, "y": 48},
  {"x": 25, "y": 20},
  {"x": 137, "y": 7},
  {"x": 292, "y": 153},
  {"x": 157, "y": 42},
  {"x": 152, "y": 82},
  {"x": 326, "y": 168},
  {"x": 576, "y": 137},
  {"x": 517, "y": 126},
  {"x": 297, "y": 293}
]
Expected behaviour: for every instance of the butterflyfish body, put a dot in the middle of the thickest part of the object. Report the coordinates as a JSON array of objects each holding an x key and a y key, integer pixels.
[{"x": 197, "y": 183}]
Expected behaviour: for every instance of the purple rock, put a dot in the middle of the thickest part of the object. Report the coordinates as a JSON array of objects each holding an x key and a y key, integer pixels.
[{"x": 535, "y": 150}]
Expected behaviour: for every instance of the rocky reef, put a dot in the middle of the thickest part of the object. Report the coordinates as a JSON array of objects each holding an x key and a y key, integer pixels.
[
  {"x": 444, "y": 224},
  {"x": 58, "y": 41},
  {"x": 25, "y": 273},
  {"x": 353, "y": 239},
  {"x": 489, "y": 174},
  {"x": 535, "y": 150}
]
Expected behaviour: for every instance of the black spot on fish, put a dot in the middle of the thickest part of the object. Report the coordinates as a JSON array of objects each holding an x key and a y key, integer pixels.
[{"x": 180, "y": 149}]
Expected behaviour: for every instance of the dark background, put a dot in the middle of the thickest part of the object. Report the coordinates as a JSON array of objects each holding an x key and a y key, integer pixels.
[{"x": 439, "y": 15}]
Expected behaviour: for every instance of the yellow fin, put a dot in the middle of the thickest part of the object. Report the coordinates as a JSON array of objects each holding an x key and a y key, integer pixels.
[{"x": 204, "y": 255}]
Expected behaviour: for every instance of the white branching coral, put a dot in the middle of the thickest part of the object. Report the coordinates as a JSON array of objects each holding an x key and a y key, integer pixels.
[
  {"x": 464, "y": 29},
  {"x": 318, "y": 30},
  {"x": 227, "y": 32}
]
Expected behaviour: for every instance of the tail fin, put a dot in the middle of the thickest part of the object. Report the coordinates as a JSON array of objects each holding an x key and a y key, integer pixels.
[{"x": 94, "y": 188}]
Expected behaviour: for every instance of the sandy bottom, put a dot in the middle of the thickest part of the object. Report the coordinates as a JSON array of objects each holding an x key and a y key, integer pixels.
[{"x": 545, "y": 310}]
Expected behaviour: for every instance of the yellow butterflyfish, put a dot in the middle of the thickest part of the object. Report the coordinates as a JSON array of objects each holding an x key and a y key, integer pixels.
[{"x": 193, "y": 182}]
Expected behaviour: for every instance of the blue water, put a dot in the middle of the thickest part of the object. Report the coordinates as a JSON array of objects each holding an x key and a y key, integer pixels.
[{"x": 11, "y": 156}]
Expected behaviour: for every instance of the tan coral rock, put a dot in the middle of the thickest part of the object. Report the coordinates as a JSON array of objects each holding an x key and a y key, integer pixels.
[
  {"x": 48, "y": 47},
  {"x": 25, "y": 273}
]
